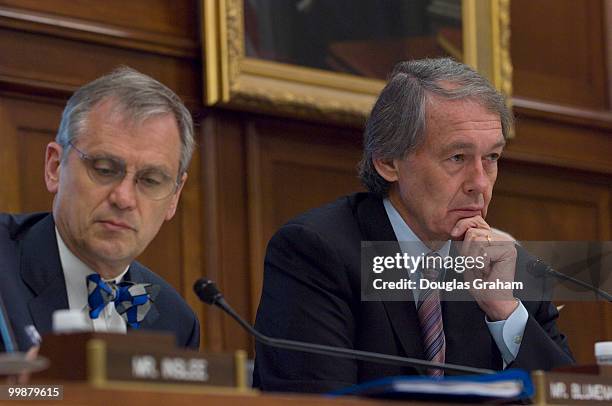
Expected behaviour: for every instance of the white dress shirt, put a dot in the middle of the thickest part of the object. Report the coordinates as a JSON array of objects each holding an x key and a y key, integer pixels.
[{"x": 75, "y": 275}]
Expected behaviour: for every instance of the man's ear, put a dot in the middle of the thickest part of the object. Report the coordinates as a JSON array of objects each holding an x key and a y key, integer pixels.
[
  {"x": 387, "y": 168},
  {"x": 175, "y": 198},
  {"x": 53, "y": 160}
]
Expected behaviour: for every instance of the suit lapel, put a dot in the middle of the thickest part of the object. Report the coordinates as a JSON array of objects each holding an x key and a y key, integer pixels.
[
  {"x": 137, "y": 274},
  {"x": 41, "y": 271},
  {"x": 375, "y": 226}
]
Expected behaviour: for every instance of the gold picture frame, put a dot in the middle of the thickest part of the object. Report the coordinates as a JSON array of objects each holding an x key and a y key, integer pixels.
[{"x": 236, "y": 81}]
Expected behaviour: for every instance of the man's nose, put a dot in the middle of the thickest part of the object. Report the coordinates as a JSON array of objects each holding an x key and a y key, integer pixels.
[
  {"x": 123, "y": 194},
  {"x": 478, "y": 180}
]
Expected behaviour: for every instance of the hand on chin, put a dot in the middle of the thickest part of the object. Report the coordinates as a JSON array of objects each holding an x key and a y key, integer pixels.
[{"x": 479, "y": 240}]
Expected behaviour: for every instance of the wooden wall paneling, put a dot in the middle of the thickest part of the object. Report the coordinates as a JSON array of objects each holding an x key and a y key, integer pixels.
[
  {"x": 164, "y": 254},
  {"x": 544, "y": 138},
  {"x": 32, "y": 149},
  {"x": 558, "y": 51},
  {"x": 29, "y": 125},
  {"x": 211, "y": 228},
  {"x": 162, "y": 26},
  {"x": 599, "y": 120},
  {"x": 171, "y": 17},
  {"x": 190, "y": 236},
  {"x": 584, "y": 324},
  {"x": 58, "y": 65},
  {"x": 9, "y": 162},
  {"x": 608, "y": 25},
  {"x": 226, "y": 225},
  {"x": 607, "y": 324},
  {"x": 292, "y": 168},
  {"x": 259, "y": 232},
  {"x": 538, "y": 203}
]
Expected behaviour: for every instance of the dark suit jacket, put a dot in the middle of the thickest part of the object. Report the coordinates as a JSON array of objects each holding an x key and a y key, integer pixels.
[
  {"x": 16, "y": 314},
  {"x": 311, "y": 292},
  {"x": 29, "y": 256}
]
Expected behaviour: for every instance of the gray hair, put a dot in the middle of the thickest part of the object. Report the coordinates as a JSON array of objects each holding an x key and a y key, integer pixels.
[
  {"x": 396, "y": 126},
  {"x": 136, "y": 95}
]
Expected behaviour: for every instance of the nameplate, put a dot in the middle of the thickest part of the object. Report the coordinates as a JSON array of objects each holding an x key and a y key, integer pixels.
[
  {"x": 573, "y": 389},
  {"x": 106, "y": 363},
  {"x": 102, "y": 358}
]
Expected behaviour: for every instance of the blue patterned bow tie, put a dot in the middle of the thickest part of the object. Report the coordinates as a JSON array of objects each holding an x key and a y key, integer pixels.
[{"x": 132, "y": 300}]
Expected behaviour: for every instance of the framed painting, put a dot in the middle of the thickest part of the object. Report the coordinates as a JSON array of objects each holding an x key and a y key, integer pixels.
[{"x": 328, "y": 59}]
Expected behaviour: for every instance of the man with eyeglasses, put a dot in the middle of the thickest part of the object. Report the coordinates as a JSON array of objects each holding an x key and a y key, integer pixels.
[{"x": 116, "y": 168}]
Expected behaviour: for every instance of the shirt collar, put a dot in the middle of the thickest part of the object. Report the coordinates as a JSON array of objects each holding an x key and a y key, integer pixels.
[
  {"x": 403, "y": 233},
  {"x": 75, "y": 269},
  {"x": 75, "y": 277}
]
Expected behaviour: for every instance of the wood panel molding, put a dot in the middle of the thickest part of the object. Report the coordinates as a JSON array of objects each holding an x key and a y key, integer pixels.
[
  {"x": 191, "y": 240},
  {"x": 259, "y": 234},
  {"x": 105, "y": 34},
  {"x": 48, "y": 65},
  {"x": 10, "y": 196},
  {"x": 212, "y": 255},
  {"x": 562, "y": 114},
  {"x": 561, "y": 137},
  {"x": 225, "y": 223},
  {"x": 608, "y": 39},
  {"x": 24, "y": 137}
]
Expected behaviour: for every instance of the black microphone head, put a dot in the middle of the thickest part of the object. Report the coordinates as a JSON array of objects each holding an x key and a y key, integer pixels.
[
  {"x": 207, "y": 291},
  {"x": 538, "y": 268}
]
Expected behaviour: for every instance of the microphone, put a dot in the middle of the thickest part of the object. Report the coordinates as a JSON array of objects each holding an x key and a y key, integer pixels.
[
  {"x": 540, "y": 269},
  {"x": 207, "y": 291},
  {"x": 13, "y": 361}
]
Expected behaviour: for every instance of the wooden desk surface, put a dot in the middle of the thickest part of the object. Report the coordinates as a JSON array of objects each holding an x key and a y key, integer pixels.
[{"x": 117, "y": 394}]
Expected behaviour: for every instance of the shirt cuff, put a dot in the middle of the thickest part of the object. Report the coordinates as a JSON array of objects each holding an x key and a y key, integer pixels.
[{"x": 508, "y": 334}]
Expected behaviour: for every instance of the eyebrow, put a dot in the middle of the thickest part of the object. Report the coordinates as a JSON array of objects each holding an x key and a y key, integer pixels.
[
  {"x": 106, "y": 155},
  {"x": 459, "y": 145}
]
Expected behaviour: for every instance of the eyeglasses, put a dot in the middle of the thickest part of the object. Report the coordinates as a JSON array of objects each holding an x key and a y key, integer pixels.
[{"x": 152, "y": 183}]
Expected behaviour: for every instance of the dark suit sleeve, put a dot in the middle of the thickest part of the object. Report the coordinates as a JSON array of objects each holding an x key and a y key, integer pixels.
[
  {"x": 543, "y": 346},
  {"x": 15, "y": 304},
  {"x": 17, "y": 315},
  {"x": 306, "y": 296},
  {"x": 194, "y": 338}
]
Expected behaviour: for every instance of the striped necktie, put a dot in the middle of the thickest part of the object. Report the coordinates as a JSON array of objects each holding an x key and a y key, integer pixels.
[{"x": 429, "y": 311}]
